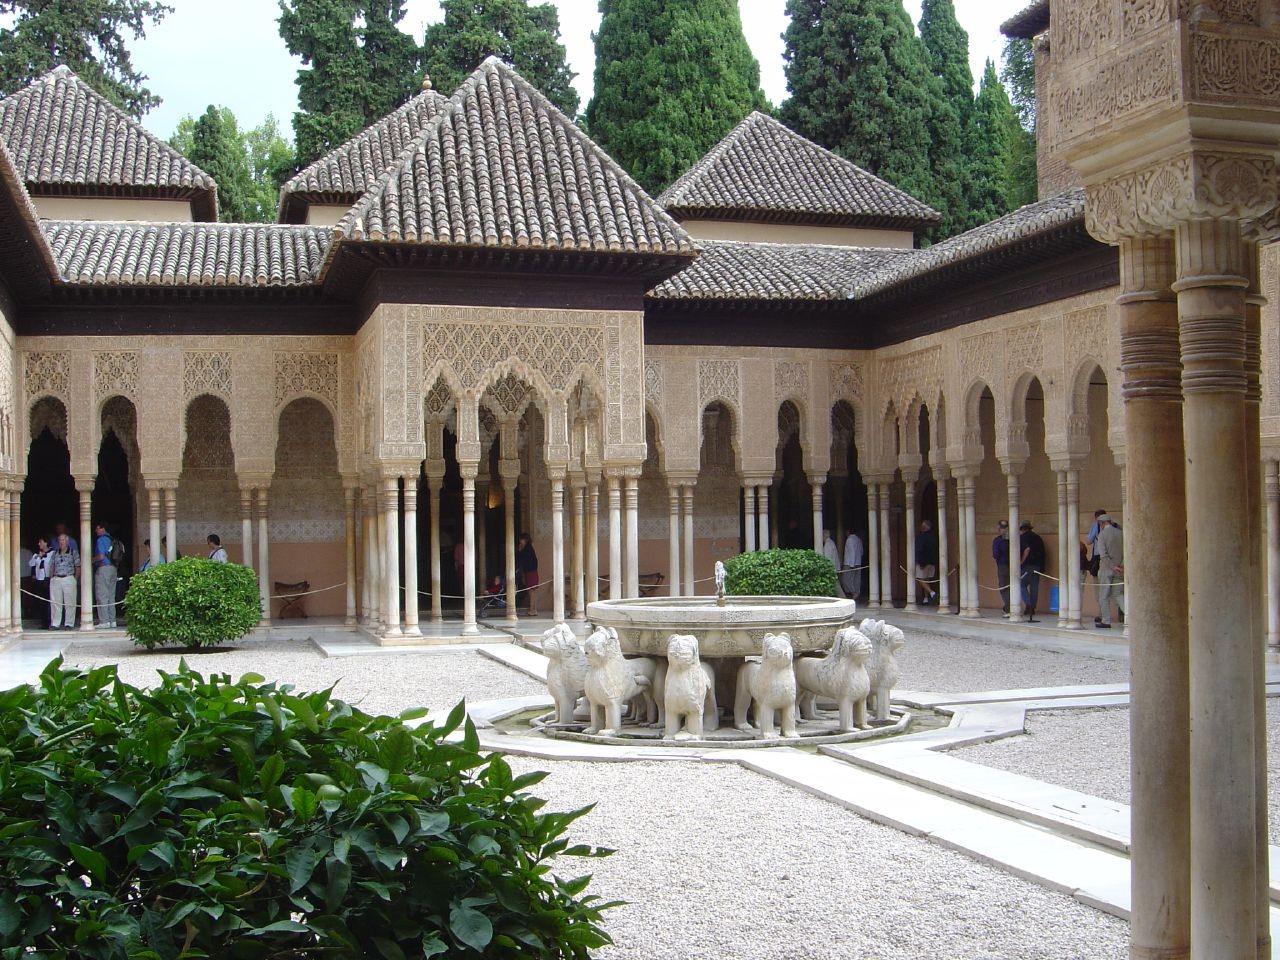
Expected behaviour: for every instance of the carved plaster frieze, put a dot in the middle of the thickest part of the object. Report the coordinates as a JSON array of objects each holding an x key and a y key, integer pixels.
[
  {"x": 551, "y": 356},
  {"x": 1098, "y": 95},
  {"x": 47, "y": 372},
  {"x": 847, "y": 382},
  {"x": 1024, "y": 350},
  {"x": 206, "y": 371},
  {"x": 298, "y": 373},
  {"x": 916, "y": 373},
  {"x": 790, "y": 380},
  {"x": 719, "y": 380},
  {"x": 653, "y": 382},
  {"x": 116, "y": 372}
]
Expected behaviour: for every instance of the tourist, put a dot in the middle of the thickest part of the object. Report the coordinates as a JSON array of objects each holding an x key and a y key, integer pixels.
[
  {"x": 1032, "y": 553},
  {"x": 851, "y": 577},
  {"x": 59, "y": 529},
  {"x": 1109, "y": 549},
  {"x": 217, "y": 553},
  {"x": 151, "y": 560},
  {"x": 1092, "y": 540},
  {"x": 1000, "y": 553},
  {"x": 926, "y": 563},
  {"x": 830, "y": 550},
  {"x": 527, "y": 572},
  {"x": 39, "y": 576},
  {"x": 105, "y": 575},
  {"x": 64, "y": 568}
]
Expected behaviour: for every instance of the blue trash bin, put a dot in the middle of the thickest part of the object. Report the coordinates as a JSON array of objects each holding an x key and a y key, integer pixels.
[{"x": 1053, "y": 599}]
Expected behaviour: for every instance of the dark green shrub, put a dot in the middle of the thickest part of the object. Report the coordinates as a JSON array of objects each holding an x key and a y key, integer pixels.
[
  {"x": 780, "y": 573},
  {"x": 205, "y": 818},
  {"x": 192, "y": 602}
]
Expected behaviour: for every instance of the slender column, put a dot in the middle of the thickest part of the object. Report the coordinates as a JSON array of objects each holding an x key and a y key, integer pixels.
[
  {"x": 154, "y": 506},
  {"x": 349, "y": 524},
  {"x": 1015, "y": 551},
  {"x": 686, "y": 495},
  {"x": 171, "y": 520},
  {"x": 1211, "y": 288},
  {"x": 557, "y": 548},
  {"x": 616, "y": 585},
  {"x": 389, "y": 509},
  {"x": 84, "y": 487},
  {"x": 264, "y": 544},
  {"x": 673, "y": 540},
  {"x": 434, "y": 483},
  {"x": 762, "y": 509},
  {"x": 633, "y": 536},
  {"x": 411, "y": 628},
  {"x": 509, "y": 553},
  {"x": 815, "y": 484},
  {"x": 480, "y": 572},
  {"x": 971, "y": 537},
  {"x": 468, "y": 471},
  {"x": 872, "y": 554},
  {"x": 593, "y": 538},
  {"x": 366, "y": 557},
  {"x": 1073, "y": 577},
  {"x": 909, "y": 489},
  {"x": 10, "y": 572},
  {"x": 837, "y": 493},
  {"x": 749, "y": 517},
  {"x": 1064, "y": 545},
  {"x": 944, "y": 553},
  {"x": 246, "y": 527},
  {"x": 578, "y": 502},
  {"x": 886, "y": 549},
  {"x": 1273, "y": 554},
  {"x": 15, "y": 552}
]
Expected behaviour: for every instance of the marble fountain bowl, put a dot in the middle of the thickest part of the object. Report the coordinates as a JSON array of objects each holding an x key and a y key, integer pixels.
[{"x": 645, "y": 624}]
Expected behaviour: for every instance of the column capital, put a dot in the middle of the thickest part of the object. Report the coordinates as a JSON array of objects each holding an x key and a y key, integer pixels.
[
  {"x": 817, "y": 479},
  {"x": 1012, "y": 466},
  {"x": 85, "y": 484},
  {"x": 468, "y": 469}
]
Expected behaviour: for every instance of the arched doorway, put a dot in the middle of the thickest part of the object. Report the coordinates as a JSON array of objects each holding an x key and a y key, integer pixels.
[
  {"x": 792, "y": 514},
  {"x": 208, "y": 492}
]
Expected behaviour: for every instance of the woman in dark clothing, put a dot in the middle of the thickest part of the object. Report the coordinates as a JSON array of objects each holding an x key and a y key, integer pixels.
[{"x": 527, "y": 572}]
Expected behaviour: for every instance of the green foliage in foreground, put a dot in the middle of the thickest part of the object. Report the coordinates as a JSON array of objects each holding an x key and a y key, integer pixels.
[
  {"x": 780, "y": 573},
  {"x": 205, "y": 818},
  {"x": 192, "y": 602}
]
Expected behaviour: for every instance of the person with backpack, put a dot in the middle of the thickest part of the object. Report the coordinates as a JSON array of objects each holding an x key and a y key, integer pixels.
[
  {"x": 217, "y": 552},
  {"x": 108, "y": 553}
]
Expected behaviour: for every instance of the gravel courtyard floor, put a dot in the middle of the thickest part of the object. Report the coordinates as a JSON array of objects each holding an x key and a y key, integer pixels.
[{"x": 720, "y": 862}]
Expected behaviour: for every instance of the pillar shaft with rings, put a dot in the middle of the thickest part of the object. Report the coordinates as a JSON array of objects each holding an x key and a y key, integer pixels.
[
  {"x": 886, "y": 549},
  {"x": 673, "y": 539},
  {"x": 154, "y": 509},
  {"x": 468, "y": 471},
  {"x": 411, "y": 628},
  {"x": 171, "y": 519},
  {"x": 749, "y": 517},
  {"x": 264, "y": 546},
  {"x": 577, "y": 498},
  {"x": 1012, "y": 471},
  {"x": 246, "y": 526},
  {"x": 349, "y": 524},
  {"x": 632, "y": 562},
  {"x": 1064, "y": 546},
  {"x": 84, "y": 487},
  {"x": 557, "y": 548},
  {"x": 909, "y": 498},
  {"x": 815, "y": 485},
  {"x": 686, "y": 499},
  {"x": 616, "y": 586},
  {"x": 1074, "y": 577},
  {"x": 762, "y": 515},
  {"x": 435, "y": 480},
  {"x": 874, "y": 596},
  {"x": 593, "y": 537},
  {"x": 509, "y": 544},
  {"x": 944, "y": 552}
]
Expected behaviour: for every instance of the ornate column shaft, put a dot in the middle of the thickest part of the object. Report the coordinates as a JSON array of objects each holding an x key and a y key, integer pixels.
[
  {"x": 815, "y": 485},
  {"x": 962, "y": 553},
  {"x": 10, "y": 563},
  {"x": 1064, "y": 545},
  {"x": 1273, "y": 554},
  {"x": 366, "y": 556},
  {"x": 349, "y": 524},
  {"x": 909, "y": 492},
  {"x": 686, "y": 495},
  {"x": 84, "y": 487},
  {"x": 578, "y": 501},
  {"x": 762, "y": 514},
  {"x": 749, "y": 517},
  {"x": 886, "y": 549},
  {"x": 944, "y": 551},
  {"x": 673, "y": 539},
  {"x": 593, "y": 537},
  {"x": 15, "y": 553},
  {"x": 616, "y": 585},
  {"x": 468, "y": 471},
  {"x": 434, "y": 483},
  {"x": 246, "y": 526},
  {"x": 557, "y": 546},
  {"x": 1012, "y": 471},
  {"x": 1211, "y": 288},
  {"x": 171, "y": 519},
  {"x": 155, "y": 505},
  {"x": 264, "y": 546},
  {"x": 1073, "y": 578},
  {"x": 411, "y": 598},
  {"x": 509, "y": 485},
  {"x": 872, "y": 554},
  {"x": 837, "y": 494},
  {"x": 632, "y": 562}
]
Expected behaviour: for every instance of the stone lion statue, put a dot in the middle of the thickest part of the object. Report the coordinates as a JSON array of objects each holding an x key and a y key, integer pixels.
[
  {"x": 566, "y": 670},
  {"x": 689, "y": 694},
  {"x": 646, "y": 706},
  {"x": 771, "y": 686},
  {"x": 841, "y": 676},
  {"x": 610, "y": 682},
  {"x": 886, "y": 641}
]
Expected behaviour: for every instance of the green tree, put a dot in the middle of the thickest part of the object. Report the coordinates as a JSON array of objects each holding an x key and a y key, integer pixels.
[
  {"x": 86, "y": 35},
  {"x": 860, "y": 86},
  {"x": 1018, "y": 71},
  {"x": 527, "y": 37},
  {"x": 947, "y": 45},
  {"x": 248, "y": 165},
  {"x": 990, "y": 148},
  {"x": 672, "y": 78},
  {"x": 361, "y": 67}
]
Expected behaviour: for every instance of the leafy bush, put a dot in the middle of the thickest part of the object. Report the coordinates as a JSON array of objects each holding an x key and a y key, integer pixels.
[
  {"x": 205, "y": 818},
  {"x": 780, "y": 573},
  {"x": 192, "y": 602}
]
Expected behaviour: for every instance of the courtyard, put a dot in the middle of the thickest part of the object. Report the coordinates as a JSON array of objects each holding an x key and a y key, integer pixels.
[{"x": 779, "y": 854}]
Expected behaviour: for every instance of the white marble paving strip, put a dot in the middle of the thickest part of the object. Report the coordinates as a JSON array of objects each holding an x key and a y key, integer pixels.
[
  {"x": 518, "y": 658},
  {"x": 926, "y": 700}
]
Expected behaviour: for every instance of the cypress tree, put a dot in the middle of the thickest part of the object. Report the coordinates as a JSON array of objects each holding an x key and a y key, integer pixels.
[
  {"x": 947, "y": 45},
  {"x": 218, "y": 149},
  {"x": 1018, "y": 72},
  {"x": 990, "y": 148},
  {"x": 672, "y": 78},
  {"x": 860, "y": 86},
  {"x": 527, "y": 37}
]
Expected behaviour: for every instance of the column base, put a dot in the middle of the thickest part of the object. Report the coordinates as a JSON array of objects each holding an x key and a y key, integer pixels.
[
  {"x": 971, "y": 614},
  {"x": 86, "y": 628},
  {"x": 349, "y": 621},
  {"x": 911, "y": 607},
  {"x": 470, "y": 630},
  {"x": 392, "y": 633},
  {"x": 412, "y": 631},
  {"x": 1073, "y": 625}
]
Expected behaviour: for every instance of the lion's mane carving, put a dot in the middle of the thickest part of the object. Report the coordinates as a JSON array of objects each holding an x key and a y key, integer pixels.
[
  {"x": 841, "y": 676},
  {"x": 886, "y": 641},
  {"x": 771, "y": 686},
  {"x": 610, "y": 682},
  {"x": 689, "y": 696},
  {"x": 566, "y": 670}
]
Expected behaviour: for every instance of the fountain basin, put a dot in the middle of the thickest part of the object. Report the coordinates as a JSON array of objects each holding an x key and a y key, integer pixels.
[{"x": 645, "y": 624}]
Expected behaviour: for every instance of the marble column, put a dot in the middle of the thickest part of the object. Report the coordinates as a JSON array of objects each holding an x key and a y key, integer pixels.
[
  {"x": 349, "y": 525},
  {"x": 762, "y": 513},
  {"x": 557, "y": 548},
  {"x": 686, "y": 496},
  {"x": 1074, "y": 578},
  {"x": 971, "y": 536},
  {"x": 1211, "y": 306},
  {"x": 468, "y": 471},
  {"x": 633, "y": 535},
  {"x": 264, "y": 544},
  {"x": 673, "y": 539},
  {"x": 616, "y": 585},
  {"x": 886, "y": 549},
  {"x": 509, "y": 485},
  {"x": 434, "y": 483},
  {"x": 962, "y": 551},
  {"x": 944, "y": 552},
  {"x": 577, "y": 497},
  {"x": 246, "y": 526},
  {"x": 1273, "y": 554},
  {"x": 411, "y": 598},
  {"x": 84, "y": 487},
  {"x": 1012, "y": 473},
  {"x": 815, "y": 484},
  {"x": 366, "y": 556},
  {"x": 593, "y": 537},
  {"x": 154, "y": 509},
  {"x": 749, "y": 517},
  {"x": 909, "y": 491},
  {"x": 15, "y": 552},
  {"x": 837, "y": 495},
  {"x": 1064, "y": 548},
  {"x": 389, "y": 514},
  {"x": 872, "y": 553},
  {"x": 10, "y": 563},
  {"x": 480, "y": 572},
  {"x": 171, "y": 520}
]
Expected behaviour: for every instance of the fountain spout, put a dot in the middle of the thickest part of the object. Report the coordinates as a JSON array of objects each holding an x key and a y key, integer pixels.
[{"x": 720, "y": 573}]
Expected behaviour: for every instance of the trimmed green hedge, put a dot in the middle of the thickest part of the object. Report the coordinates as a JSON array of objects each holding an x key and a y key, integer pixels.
[
  {"x": 192, "y": 602},
  {"x": 205, "y": 818},
  {"x": 780, "y": 573}
]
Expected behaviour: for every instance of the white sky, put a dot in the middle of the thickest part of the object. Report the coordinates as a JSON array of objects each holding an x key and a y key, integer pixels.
[{"x": 231, "y": 53}]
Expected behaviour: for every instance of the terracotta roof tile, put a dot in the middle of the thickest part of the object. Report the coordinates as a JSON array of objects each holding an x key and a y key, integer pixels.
[
  {"x": 764, "y": 171},
  {"x": 187, "y": 254},
  {"x": 63, "y": 134},
  {"x": 501, "y": 167},
  {"x": 734, "y": 270},
  {"x": 1028, "y": 22}
]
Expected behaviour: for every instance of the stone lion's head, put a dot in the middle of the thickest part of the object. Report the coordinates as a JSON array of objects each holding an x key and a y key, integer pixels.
[
  {"x": 851, "y": 644},
  {"x": 602, "y": 646},
  {"x": 776, "y": 649},
  {"x": 683, "y": 649},
  {"x": 558, "y": 641}
]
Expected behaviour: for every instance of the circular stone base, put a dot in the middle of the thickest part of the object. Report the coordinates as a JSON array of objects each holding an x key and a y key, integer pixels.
[{"x": 812, "y": 733}]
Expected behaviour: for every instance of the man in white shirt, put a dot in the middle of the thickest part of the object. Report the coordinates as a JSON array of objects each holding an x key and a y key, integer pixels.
[{"x": 851, "y": 578}]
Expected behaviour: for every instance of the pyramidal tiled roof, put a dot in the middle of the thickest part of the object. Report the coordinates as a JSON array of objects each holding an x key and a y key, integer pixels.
[
  {"x": 63, "y": 136},
  {"x": 501, "y": 167},
  {"x": 762, "y": 170},
  {"x": 347, "y": 171}
]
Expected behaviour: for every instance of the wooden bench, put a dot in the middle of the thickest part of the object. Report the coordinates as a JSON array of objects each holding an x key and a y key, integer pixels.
[
  {"x": 292, "y": 598},
  {"x": 649, "y": 583}
]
